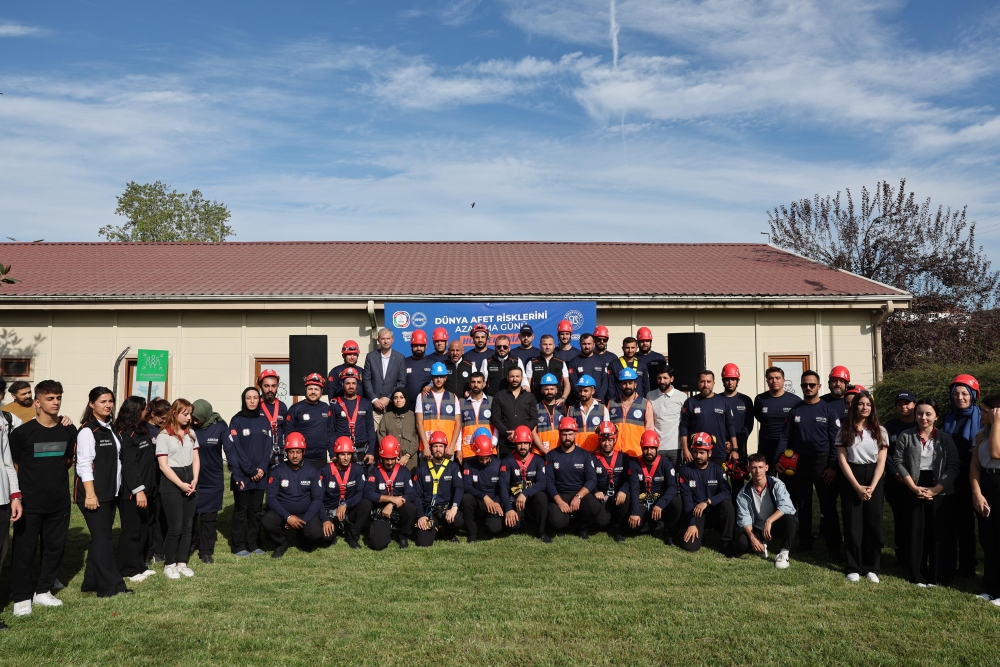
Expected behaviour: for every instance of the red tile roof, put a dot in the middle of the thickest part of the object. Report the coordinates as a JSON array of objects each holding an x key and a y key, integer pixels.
[{"x": 413, "y": 270}]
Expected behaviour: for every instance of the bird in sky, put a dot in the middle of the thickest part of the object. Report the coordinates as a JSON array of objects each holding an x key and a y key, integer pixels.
[{"x": 473, "y": 204}]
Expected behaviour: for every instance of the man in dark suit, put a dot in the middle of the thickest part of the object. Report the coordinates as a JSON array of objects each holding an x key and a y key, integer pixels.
[{"x": 385, "y": 371}]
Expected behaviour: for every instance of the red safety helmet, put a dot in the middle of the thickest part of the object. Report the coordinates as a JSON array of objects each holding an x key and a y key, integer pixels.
[
  {"x": 419, "y": 337},
  {"x": 967, "y": 380},
  {"x": 644, "y": 333},
  {"x": 350, "y": 372},
  {"x": 350, "y": 347},
  {"x": 601, "y": 331},
  {"x": 482, "y": 445},
  {"x": 649, "y": 439},
  {"x": 789, "y": 461},
  {"x": 856, "y": 389},
  {"x": 267, "y": 373},
  {"x": 841, "y": 373},
  {"x": 314, "y": 379},
  {"x": 438, "y": 438},
  {"x": 440, "y": 334},
  {"x": 389, "y": 447},
  {"x": 564, "y": 325},
  {"x": 477, "y": 328},
  {"x": 343, "y": 445},
  {"x": 735, "y": 470},
  {"x": 295, "y": 440},
  {"x": 521, "y": 434},
  {"x": 701, "y": 440},
  {"x": 568, "y": 424},
  {"x": 731, "y": 371},
  {"x": 606, "y": 430}
]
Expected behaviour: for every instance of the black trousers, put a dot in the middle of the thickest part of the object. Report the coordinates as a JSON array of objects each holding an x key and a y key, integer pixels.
[
  {"x": 474, "y": 509},
  {"x": 536, "y": 509},
  {"x": 102, "y": 573},
  {"x": 898, "y": 497},
  {"x": 965, "y": 517},
  {"x": 614, "y": 517},
  {"x": 204, "y": 533},
  {"x": 783, "y": 529},
  {"x": 809, "y": 474},
  {"x": 246, "y": 518},
  {"x": 354, "y": 522},
  {"x": 721, "y": 517},
  {"x": 380, "y": 529},
  {"x": 442, "y": 529},
  {"x": 769, "y": 448},
  {"x": 590, "y": 507},
  {"x": 989, "y": 533},
  {"x": 931, "y": 547},
  {"x": 133, "y": 543},
  {"x": 862, "y": 521},
  {"x": 670, "y": 518},
  {"x": 159, "y": 525},
  {"x": 179, "y": 510},
  {"x": 274, "y": 526},
  {"x": 52, "y": 529}
]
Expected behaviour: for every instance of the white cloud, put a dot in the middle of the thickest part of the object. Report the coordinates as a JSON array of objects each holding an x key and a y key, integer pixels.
[{"x": 18, "y": 30}]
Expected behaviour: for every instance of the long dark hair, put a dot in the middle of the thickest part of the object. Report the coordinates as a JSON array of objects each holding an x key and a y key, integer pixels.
[
  {"x": 159, "y": 407},
  {"x": 95, "y": 394},
  {"x": 130, "y": 414},
  {"x": 872, "y": 425}
]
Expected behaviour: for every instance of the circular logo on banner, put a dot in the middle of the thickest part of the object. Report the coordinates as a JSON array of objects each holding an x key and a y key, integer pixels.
[
  {"x": 575, "y": 317},
  {"x": 419, "y": 319},
  {"x": 401, "y": 319}
]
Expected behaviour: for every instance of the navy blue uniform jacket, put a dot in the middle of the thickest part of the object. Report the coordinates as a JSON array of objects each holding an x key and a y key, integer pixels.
[
  {"x": 354, "y": 489},
  {"x": 697, "y": 486},
  {"x": 481, "y": 481},
  {"x": 210, "y": 479},
  {"x": 451, "y": 486},
  {"x": 568, "y": 473},
  {"x": 298, "y": 492},
  {"x": 811, "y": 429},
  {"x": 313, "y": 422},
  {"x": 513, "y": 483},
  {"x": 661, "y": 483},
  {"x": 249, "y": 450}
]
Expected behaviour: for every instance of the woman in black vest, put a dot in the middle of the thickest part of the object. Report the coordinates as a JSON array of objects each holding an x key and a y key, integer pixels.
[
  {"x": 98, "y": 478},
  {"x": 137, "y": 501}
]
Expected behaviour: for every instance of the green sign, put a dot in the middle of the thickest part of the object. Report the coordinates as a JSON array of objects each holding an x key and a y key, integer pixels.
[{"x": 151, "y": 366}]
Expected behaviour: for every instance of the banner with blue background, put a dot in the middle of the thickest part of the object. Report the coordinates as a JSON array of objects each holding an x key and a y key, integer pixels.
[{"x": 500, "y": 318}]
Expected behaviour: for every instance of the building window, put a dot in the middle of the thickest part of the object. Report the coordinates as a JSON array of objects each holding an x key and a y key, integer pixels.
[
  {"x": 793, "y": 365},
  {"x": 144, "y": 389},
  {"x": 280, "y": 366},
  {"x": 15, "y": 368}
]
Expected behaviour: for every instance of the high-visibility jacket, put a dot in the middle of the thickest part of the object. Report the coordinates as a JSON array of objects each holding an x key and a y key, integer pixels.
[
  {"x": 441, "y": 416},
  {"x": 631, "y": 424},
  {"x": 473, "y": 419},
  {"x": 586, "y": 438},
  {"x": 548, "y": 426}
]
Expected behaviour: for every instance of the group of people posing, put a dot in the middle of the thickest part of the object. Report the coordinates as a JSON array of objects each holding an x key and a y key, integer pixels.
[{"x": 550, "y": 440}]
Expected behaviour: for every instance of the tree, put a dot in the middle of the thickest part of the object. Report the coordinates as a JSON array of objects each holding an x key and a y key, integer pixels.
[
  {"x": 156, "y": 214},
  {"x": 895, "y": 240}
]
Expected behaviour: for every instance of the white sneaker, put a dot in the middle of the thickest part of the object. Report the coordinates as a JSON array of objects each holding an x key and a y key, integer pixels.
[
  {"x": 185, "y": 570},
  {"x": 781, "y": 560},
  {"x": 995, "y": 601},
  {"x": 853, "y": 576},
  {"x": 22, "y": 608},
  {"x": 985, "y": 596},
  {"x": 921, "y": 585},
  {"x": 149, "y": 573},
  {"x": 171, "y": 572},
  {"x": 872, "y": 577},
  {"x": 46, "y": 600},
  {"x": 138, "y": 578}
]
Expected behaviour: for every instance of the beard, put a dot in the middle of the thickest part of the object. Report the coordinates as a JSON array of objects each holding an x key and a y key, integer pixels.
[{"x": 269, "y": 396}]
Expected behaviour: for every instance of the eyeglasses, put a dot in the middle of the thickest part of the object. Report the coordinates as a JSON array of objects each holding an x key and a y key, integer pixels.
[
  {"x": 503, "y": 347},
  {"x": 809, "y": 385}
]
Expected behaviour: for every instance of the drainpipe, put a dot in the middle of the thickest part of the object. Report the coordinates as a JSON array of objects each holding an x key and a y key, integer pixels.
[
  {"x": 373, "y": 321},
  {"x": 886, "y": 311}
]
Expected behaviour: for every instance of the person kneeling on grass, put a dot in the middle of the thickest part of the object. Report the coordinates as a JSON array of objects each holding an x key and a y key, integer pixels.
[
  {"x": 482, "y": 489},
  {"x": 294, "y": 499},
  {"x": 390, "y": 490},
  {"x": 440, "y": 489},
  {"x": 655, "y": 502},
  {"x": 570, "y": 480},
  {"x": 522, "y": 485},
  {"x": 344, "y": 504},
  {"x": 764, "y": 512},
  {"x": 706, "y": 495},
  {"x": 612, "y": 489}
]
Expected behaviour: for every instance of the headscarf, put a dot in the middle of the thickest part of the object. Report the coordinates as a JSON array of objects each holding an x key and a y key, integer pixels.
[
  {"x": 962, "y": 424},
  {"x": 202, "y": 411},
  {"x": 245, "y": 411},
  {"x": 392, "y": 404}
]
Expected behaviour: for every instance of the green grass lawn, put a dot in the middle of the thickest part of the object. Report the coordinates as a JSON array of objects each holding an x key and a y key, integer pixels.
[{"x": 510, "y": 601}]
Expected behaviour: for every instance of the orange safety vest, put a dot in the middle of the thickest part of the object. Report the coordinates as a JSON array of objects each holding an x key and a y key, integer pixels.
[
  {"x": 472, "y": 420},
  {"x": 631, "y": 425},
  {"x": 441, "y": 418},
  {"x": 586, "y": 438},
  {"x": 548, "y": 426}
]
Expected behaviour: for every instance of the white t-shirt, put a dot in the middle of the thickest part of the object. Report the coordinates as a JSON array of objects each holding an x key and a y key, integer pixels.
[
  {"x": 982, "y": 441},
  {"x": 667, "y": 416},
  {"x": 865, "y": 447}
]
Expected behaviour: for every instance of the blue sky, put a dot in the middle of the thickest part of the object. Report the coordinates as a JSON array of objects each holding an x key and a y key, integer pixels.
[{"x": 370, "y": 120}]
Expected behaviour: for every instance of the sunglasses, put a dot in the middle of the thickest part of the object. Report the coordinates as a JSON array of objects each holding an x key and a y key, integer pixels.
[
  {"x": 809, "y": 385},
  {"x": 503, "y": 347}
]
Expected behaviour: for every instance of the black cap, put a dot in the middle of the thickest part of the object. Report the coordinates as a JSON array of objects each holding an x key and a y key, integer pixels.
[
  {"x": 905, "y": 395},
  {"x": 526, "y": 329}
]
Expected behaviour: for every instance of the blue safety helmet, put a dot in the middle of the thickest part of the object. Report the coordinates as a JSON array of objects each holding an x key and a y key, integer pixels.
[
  {"x": 439, "y": 370},
  {"x": 626, "y": 374},
  {"x": 586, "y": 381},
  {"x": 482, "y": 430},
  {"x": 549, "y": 380}
]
